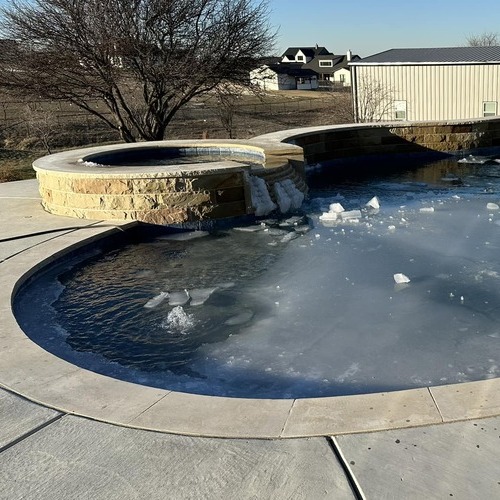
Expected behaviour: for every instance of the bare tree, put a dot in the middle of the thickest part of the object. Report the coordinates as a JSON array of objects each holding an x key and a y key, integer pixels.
[
  {"x": 374, "y": 100},
  {"x": 41, "y": 124},
  {"x": 487, "y": 39},
  {"x": 139, "y": 60}
]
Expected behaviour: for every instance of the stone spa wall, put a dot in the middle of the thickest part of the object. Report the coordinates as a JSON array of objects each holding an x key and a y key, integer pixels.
[
  {"x": 324, "y": 144},
  {"x": 73, "y": 184}
]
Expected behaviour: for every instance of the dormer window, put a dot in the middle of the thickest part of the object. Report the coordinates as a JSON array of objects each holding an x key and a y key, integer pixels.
[
  {"x": 326, "y": 64},
  {"x": 300, "y": 58}
]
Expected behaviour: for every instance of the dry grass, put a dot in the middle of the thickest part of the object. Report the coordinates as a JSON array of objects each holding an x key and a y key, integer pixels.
[{"x": 252, "y": 117}]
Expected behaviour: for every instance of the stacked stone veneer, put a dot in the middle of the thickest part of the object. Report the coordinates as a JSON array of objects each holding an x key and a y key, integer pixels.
[
  {"x": 190, "y": 193},
  {"x": 73, "y": 183},
  {"x": 336, "y": 143},
  {"x": 156, "y": 200}
]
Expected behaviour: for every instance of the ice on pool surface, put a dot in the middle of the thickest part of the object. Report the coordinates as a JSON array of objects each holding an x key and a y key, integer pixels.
[{"x": 277, "y": 310}]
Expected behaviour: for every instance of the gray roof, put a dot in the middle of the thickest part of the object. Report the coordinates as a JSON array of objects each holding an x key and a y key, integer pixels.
[
  {"x": 307, "y": 51},
  {"x": 443, "y": 55}
]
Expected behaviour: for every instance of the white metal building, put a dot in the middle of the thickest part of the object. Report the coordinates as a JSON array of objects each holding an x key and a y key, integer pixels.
[{"x": 427, "y": 84}]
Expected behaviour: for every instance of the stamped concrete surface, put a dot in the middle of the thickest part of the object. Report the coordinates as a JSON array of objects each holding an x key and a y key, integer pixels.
[
  {"x": 19, "y": 417},
  {"x": 458, "y": 461},
  {"x": 78, "y": 458}
]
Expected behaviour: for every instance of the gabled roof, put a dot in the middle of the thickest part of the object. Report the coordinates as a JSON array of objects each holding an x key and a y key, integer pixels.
[
  {"x": 338, "y": 62},
  {"x": 442, "y": 55},
  {"x": 307, "y": 51}
]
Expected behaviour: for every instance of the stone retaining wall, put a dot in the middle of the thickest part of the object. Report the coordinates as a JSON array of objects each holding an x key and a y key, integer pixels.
[
  {"x": 323, "y": 144},
  {"x": 81, "y": 184},
  {"x": 156, "y": 200},
  {"x": 71, "y": 185}
]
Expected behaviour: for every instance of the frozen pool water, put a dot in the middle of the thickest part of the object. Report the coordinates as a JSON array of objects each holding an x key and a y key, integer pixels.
[{"x": 296, "y": 307}]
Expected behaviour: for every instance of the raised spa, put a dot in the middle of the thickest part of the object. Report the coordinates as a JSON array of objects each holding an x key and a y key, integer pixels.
[{"x": 301, "y": 305}]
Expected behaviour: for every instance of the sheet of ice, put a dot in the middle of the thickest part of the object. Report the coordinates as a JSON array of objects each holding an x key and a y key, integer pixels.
[
  {"x": 200, "y": 295},
  {"x": 239, "y": 319},
  {"x": 323, "y": 315},
  {"x": 427, "y": 210},
  {"x": 156, "y": 301},
  {"x": 249, "y": 229},
  {"x": 184, "y": 236},
  {"x": 178, "y": 298}
]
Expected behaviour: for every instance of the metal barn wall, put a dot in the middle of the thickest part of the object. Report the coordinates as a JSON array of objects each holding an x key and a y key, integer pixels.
[{"x": 435, "y": 92}]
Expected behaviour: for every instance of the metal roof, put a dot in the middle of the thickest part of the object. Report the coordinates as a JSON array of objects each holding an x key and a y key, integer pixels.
[{"x": 443, "y": 55}]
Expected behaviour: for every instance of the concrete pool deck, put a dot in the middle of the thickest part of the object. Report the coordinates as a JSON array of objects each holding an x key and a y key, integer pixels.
[{"x": 67, "y": 432}]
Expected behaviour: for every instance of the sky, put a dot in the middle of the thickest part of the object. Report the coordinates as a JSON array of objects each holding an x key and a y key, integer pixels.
[{"x": 368, "y": 27}]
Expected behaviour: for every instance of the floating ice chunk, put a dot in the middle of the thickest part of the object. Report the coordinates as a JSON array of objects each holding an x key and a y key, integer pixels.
[
  {"x": 480, "y": 160},
  {"x": 329, "y": 216},
  {"x": 156, "y": 301},
  {"x": 239, "y": 319},
  {"x": 303, "y": 229},
  {"x": 184, "y": 236},
  {"x": 391, "y": 228},
  {"x": 451, "y": 178},
  {"x": 401, "y": 278},
  {"x": 289, "y": 237},
  {"x": 225, "y": 285},
  {"x": 200, "y": 295},
  {"x": 492, "y": 206},
  {"x": 249, "y": 229},
  {"x": 179, "y": 320},
  {"x": 351, "y": 214},
  {"x": 178, "y": 298},
  {"x": 336, "y": 208},
  {"x": 373, "y": 203},
  {"x": 426, "y": 210}
]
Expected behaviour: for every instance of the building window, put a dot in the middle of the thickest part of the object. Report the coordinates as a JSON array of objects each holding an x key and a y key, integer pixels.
[
  {"x": 325, "y": 64},
  {"x": 400, "y": 110},
  {"x": 300, "y": 58},
  {"x": 489, "y": 108},
  {"x": 342, "y": 77}
]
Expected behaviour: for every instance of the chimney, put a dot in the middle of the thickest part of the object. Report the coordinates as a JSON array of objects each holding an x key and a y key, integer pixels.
[{"x": 349, "y": 55}]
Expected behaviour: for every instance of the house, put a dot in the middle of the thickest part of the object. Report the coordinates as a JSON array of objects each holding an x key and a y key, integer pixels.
[
  {"x": 303, "y": 68},
  {"x": 303, "y": 54},
  {"x": 332, "y": 69},
  {"x": 284, "y": 76},
  {"x": 452, "y": 83}
]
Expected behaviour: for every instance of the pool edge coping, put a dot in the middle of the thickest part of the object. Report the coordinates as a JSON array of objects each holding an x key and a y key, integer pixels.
[{"x": 68, "y": 388}]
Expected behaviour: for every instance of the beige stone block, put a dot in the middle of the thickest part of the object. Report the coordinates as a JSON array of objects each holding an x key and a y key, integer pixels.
[
  {"x": 369, "y": 412},
  {"x": 213, "y": 182},
  {"x": 162, "y": 216},
  {"x": 162, "y": 185},
  {"x": 213, "y": 416},
  {"x": 469, "y": 400},
  {"x": 187, "y": 199}
]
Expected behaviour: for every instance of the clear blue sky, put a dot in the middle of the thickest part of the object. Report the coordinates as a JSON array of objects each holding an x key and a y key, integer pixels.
[{"x": 371, "y": 26}]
